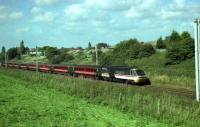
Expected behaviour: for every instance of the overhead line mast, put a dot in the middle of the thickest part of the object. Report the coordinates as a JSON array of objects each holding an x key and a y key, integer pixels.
[
  {"x": 96, "y": 54},
  {"x": 36, "y": 59},
  {"x": 197, "y": 57}
]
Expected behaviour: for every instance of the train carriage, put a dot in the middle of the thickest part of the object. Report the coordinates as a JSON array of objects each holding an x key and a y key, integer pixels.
[
  {"x": 44, "y": 68},
  {"x": 86, "y": 71},
  {"x": 60, "y": 69}
]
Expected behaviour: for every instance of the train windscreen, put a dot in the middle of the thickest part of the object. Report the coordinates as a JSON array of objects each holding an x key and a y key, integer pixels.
[{"x": 140, "y": 72}]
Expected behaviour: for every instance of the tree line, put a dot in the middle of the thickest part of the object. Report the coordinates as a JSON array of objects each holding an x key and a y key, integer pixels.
[{"x": 178, "y": 47}]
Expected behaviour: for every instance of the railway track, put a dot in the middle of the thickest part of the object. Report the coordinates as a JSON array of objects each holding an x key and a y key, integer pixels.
[
  {"x": 171, "y": 90},
  {"x": 164, "y": 88},
  {"x": 156, "y": 88}
]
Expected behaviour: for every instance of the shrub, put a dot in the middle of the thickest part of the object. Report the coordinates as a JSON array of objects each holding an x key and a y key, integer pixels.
[
  {"x": 180, "y": 50},
  {"x": 126, "y": 50},
  {"x": 160, "y": 44}
]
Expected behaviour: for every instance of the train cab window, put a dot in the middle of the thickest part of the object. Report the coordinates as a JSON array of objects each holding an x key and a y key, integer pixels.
[{"x": 140, "y": 72}]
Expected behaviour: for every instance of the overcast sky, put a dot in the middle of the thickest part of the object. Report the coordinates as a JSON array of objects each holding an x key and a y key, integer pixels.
[{"x": 72, "y": 23}]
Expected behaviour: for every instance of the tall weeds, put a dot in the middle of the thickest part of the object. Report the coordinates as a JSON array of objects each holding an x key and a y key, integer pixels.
[{"x": 174, "y": 109}]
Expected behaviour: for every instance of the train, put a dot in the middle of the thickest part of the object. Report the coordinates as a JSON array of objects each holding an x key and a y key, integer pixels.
[{"x": 120, "y": 74}]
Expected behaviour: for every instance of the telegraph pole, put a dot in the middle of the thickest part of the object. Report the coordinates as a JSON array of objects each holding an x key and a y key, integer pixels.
[
  {"x": 96, "y": 55},
  {"x": 5, "y": 55},
  {"x": 36, "y": 59},
  {"x": 197, "y": 57}
]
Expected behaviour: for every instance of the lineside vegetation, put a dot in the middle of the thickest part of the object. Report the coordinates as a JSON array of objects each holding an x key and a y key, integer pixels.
[{"x": 173, "y": 110}]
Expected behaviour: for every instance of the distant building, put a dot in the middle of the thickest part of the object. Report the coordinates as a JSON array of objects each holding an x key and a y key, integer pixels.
[{"x": 32, "y": 51}]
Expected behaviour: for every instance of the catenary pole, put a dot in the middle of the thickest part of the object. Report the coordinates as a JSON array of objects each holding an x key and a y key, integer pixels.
[
  {"x": 96, "y": 55},
  {"x": 36, "y": 59},
  {"x": 197, "y": 58},
  {"x": 5, "y": 55}
]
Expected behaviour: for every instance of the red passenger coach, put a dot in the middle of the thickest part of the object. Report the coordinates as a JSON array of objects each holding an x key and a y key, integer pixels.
[
  {"x": 61, "y": 69},
  {"x": 23, "y": 66},
  {"x": 16, "y": 65},
  {"x": 31, "y": 66},
  {"x": 9, "y": 65},
  {"x": 85, "y": 71},
  {"x": 44, "y": 68}
]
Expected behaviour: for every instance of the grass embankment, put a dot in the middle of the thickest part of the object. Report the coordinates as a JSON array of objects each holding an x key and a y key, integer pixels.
[
  {"x": 179, "y": 75},
  {"x": 25, "y": 104},
  {"x": 30, "y": 59},
  {"x": 49, "y": 98},
  {"x": 83, "y": 57}
]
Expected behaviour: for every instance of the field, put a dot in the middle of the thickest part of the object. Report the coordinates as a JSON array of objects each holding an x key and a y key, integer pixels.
[{"x": 29, "y": 99}]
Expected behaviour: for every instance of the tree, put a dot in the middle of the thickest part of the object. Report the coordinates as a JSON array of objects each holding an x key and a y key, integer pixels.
[
  {"x": 51, "y": 51},
  {"x": 185, "y": 35},
  {"x": 27, "y": 50},
  {"x": 89, "y": 45},
  {"x": 126, "y": 50},
  {"x": 2, "y": 55},
  {"x": 3, "y": 50},
  {"x": 12, "y": 53},
  {"x": 175, "y": 36},
  {"x": 160, "y": 44},
  {"x": 100, "y": 45},
  {"x": 146, "y": 50},
  {"x": 22, "y": 48},
  {"x": 180, "y": 50},
  {"x": 80, "y": 48}
]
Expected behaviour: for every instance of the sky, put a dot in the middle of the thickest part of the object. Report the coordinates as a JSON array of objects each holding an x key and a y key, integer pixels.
[{"x": 72, "y": 23}]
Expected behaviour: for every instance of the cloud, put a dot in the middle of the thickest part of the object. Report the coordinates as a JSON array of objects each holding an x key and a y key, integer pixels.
[
  {"x": 15, "y": 15},
  {"x": 180, "y": 10},
  {"x": 179, "y": 3},
  {"x": 76, "y": 12},
  {"x": 40, "y": 15},
  {"x": 129, "y": 16},
  {"x": 45, "y": 2},
  {"x": 142, "y": 9},
  {"x": 133, "y": 13},
  {"x": 22, "y": 30},
  {"x": 7, "y": 14},
  {"x": 114, "y": 5}
]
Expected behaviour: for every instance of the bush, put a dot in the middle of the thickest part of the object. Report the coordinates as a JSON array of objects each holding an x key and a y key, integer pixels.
[
  {"x": 160, "y": 44},
  {"x": 102, "y": 45},
  {"x": 180, "y": 50},
  {"x": 146, "y": 50},
  {"x": 126, "y": 50},
  {"x": 12, "y": 53}
]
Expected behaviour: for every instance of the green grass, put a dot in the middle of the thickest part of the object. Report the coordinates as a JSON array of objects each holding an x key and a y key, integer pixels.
[
  {"x": 138, "y": 104},
  {"x": 180, "y": 75},
  {"x": 83, "y": 57},
  {"x": 30, "y": 59},
  {"x": 24, "y": 103}
]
